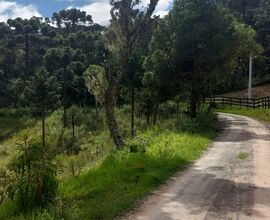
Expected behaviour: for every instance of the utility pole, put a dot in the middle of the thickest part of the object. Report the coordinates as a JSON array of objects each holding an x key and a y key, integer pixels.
[{"x": 250, "y": 77}]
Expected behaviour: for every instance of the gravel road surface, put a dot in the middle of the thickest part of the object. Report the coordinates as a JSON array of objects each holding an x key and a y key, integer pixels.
[{"x": 219, "y": 185}]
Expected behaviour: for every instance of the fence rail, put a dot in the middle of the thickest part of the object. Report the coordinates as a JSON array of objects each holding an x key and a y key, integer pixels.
[{"x": 263, "y": 102}]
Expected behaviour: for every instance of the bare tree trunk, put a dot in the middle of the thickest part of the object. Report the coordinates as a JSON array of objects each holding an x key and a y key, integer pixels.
[
  {"x": 148, "y": 118},
  {"x": 155, "y": 114},
  {"x": 65, "y": 117},
  {"x": 193, "y": 104},
  {"x": 139, "y": 117},
  {"x": 43, "y": 132},
  {"x": 177, "y": 109},
  {"x": 73, "y": 127},
  {"x": 132, "y": 111},
  {"x": 110, "y": 95},
  {"x": 130, "y": 37}
]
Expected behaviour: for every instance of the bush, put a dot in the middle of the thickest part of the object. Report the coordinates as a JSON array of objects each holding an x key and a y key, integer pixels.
[
  {"x": 137, "y": 145},
  {"x": 31, "y": 179},
  {"x": 205, "y": 121},
  {"x": 94, "y": 121}
]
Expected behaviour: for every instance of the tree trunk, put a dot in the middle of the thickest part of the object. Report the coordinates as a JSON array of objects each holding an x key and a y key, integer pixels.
[
  {"x": 177, "y": 109},
  {"x": 132, "y": 111},
  {"x": 148, "y": 118},
  {"x": 193, "y": 103},
  {"x": 43, "y": 132},
  {"x": 73, "y": 127},
  {"x": 65, "y": 117},
  {"x": 155, "y": 114},
  {"x": 110, "y": 95}
]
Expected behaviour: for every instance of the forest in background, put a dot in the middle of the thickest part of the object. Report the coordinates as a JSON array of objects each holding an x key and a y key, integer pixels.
[{"x": 62, "y": 77}]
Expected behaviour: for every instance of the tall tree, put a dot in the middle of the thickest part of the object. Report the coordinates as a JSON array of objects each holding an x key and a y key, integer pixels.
[
  {"x": 128, "y": 23},
  {"x": 200, "y": 51},
  {"x": 42, "y": 95}
]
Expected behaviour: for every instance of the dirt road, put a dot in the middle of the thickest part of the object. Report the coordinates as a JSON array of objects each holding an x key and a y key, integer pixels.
[{"x": 220, "y": 185}]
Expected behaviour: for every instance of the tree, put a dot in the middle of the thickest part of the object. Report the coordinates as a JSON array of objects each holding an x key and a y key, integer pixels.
[
  {"x": 95, "y": 81},
  {"x": 200, "y": 51},
  {"x": 70, "y": 18},
  {"x": 244, "y": 9},
  {"x": 128, "y": 23},
  {"x": 42, "y": 95},
  {"x": 262, "y": 26},
  {"x": 68, "y": 65},
  {"x": 74, "y": 114}
]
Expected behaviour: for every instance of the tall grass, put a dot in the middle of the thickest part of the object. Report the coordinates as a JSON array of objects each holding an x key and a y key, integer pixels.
[
  {"x": 114, "y": 183},
  {"x": 124, "y": 178},
  {"x": 260, "y": 114}
]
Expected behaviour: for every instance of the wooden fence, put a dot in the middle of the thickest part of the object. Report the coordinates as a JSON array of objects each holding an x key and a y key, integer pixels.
[{"x": 263, "y": 102}]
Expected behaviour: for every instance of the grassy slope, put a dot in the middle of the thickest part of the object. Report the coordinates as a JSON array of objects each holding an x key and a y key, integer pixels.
[
  {"x": 110, "y": 188},
  {"x": 257, "y": 92},
  {"x": 260, "y": 114},
  {"x": 9, "y": 127},
  {"x": 117, "y": 185}
]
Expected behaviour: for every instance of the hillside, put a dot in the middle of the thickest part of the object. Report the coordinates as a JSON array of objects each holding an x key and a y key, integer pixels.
[{"x": 257, "y": 92}]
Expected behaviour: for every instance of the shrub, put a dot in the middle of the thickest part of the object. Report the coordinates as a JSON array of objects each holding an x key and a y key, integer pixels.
[
  {"x": 205, "y": 121},
  {"x": 137, "y": 145},
  {"x": 94, "y": 121},
  {"x": 31, "y": 179}
]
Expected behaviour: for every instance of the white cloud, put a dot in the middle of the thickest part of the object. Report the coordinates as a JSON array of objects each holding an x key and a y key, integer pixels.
[
  {"x": 162, "y": 8},
  {"x": 11, "y": 9},
  {"x": 100, "y": 9}
]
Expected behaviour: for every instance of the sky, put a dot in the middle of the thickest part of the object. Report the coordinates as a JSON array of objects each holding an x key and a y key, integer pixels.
[{"x": 99, "y": 9}]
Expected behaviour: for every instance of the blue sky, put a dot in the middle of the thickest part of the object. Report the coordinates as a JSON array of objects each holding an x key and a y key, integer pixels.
[
  {"x": 99, "y": 9},
  {"x": 47, "y": 7}
]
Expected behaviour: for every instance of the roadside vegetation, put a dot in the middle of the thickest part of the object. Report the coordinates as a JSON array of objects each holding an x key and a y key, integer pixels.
[
  {"x": 94, "y": 118},
  {"x": 260, "y": 114},
  {"x": 95, "y": 176},
  {"x": 242, "y": 155}
]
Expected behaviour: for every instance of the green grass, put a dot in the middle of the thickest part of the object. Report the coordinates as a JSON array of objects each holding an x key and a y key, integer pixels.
[
  {"x": 9, "y": 126},
  {"x": 123, "y": 179},
  {"x": 115, "y": 183},
  {"x": 242, "y": 155},
  {"x": 260, "y": 114}
]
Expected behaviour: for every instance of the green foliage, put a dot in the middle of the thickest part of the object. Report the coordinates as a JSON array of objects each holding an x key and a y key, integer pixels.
[
  {"x": 198, "y": 55},
  {"x": 249, "y": 45},
  {"x": 137, "y": 145},
  {"x": 146, "y": 161},
  {"x": 132, "y": 174},
  {"x": 204, "y": 121},
  {"x": 197, "y": 50},
  {"x": 42, "y": 92},
  {"x": 95, "y": 81},
  {"x": 242, "y": 155},
  {"x": 261, "y": 114},
  {"x": 31, "y": 179}
]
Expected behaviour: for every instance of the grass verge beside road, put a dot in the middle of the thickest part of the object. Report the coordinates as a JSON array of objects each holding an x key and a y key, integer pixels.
[{"x": 260, "y": 114}]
